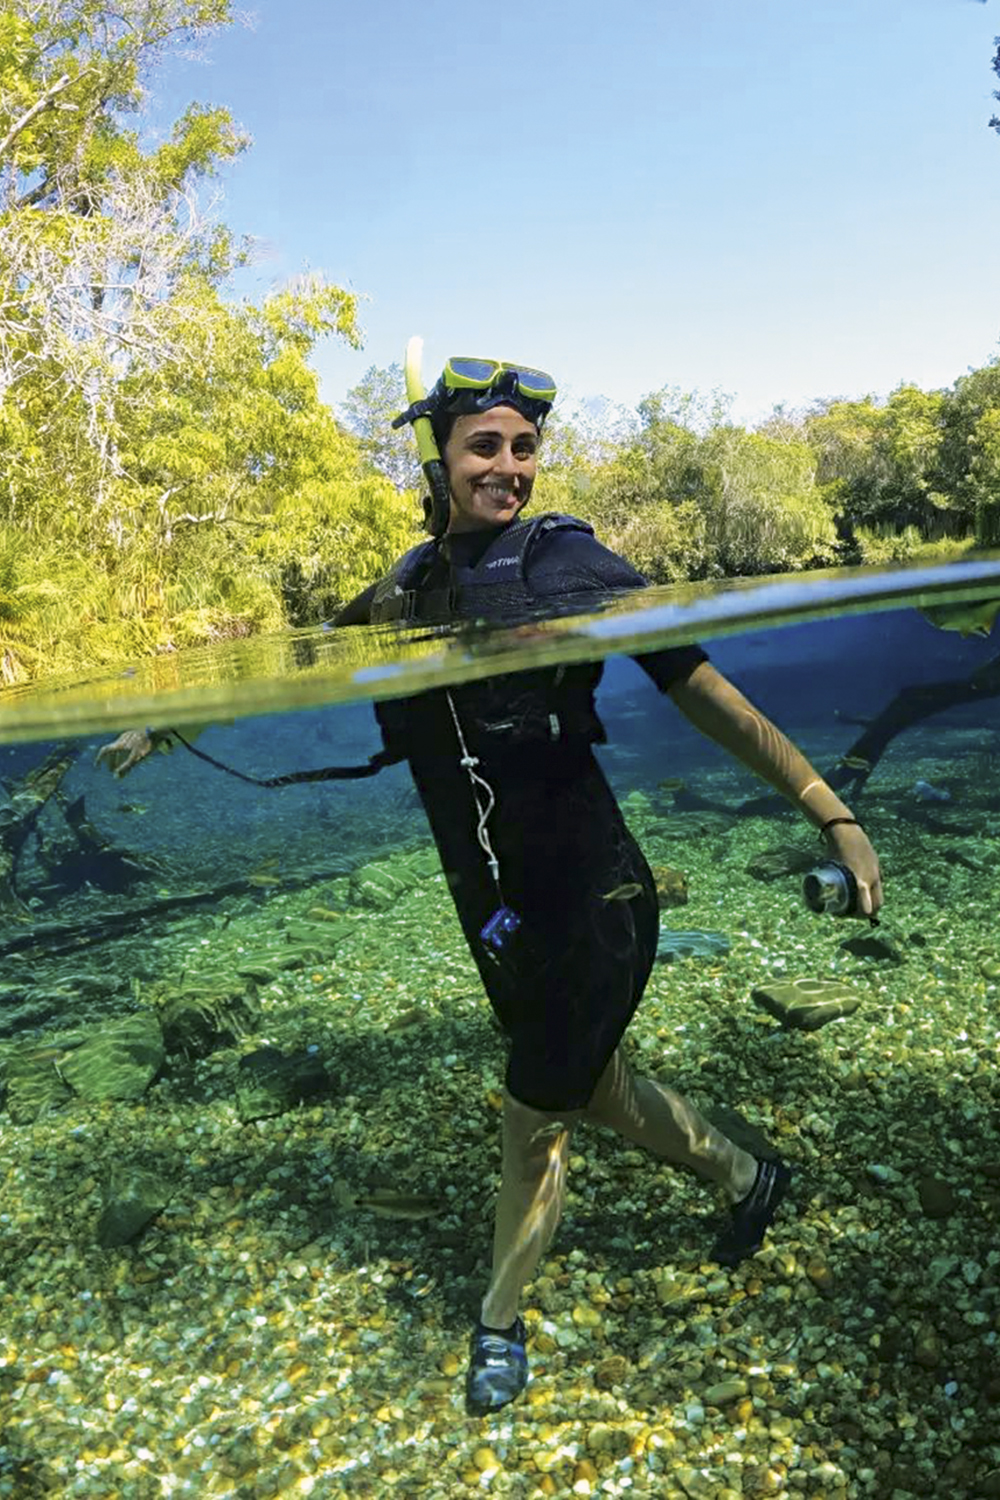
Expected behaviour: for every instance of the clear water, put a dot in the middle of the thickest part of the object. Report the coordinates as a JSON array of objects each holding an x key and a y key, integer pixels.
[{"x": 293, "y": 1317}]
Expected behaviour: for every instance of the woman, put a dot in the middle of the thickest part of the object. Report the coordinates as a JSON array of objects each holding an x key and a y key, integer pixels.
[{"x": 554, "y": 896}]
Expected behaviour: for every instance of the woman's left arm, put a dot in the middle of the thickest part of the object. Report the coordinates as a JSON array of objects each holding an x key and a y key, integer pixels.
[{"x": 720, "y": 711}]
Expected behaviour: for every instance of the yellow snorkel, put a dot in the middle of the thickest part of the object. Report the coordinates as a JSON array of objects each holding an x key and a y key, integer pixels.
[{"x": 437, "y": 505}]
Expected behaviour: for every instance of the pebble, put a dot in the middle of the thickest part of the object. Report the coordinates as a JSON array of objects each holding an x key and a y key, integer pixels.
[
  {"x": 937, "y": 1198},
  {"x": 725, "y": 1391}
]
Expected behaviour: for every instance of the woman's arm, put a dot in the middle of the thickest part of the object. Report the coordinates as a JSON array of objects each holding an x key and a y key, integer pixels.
[
  {"x": 720, "y": 711},
  {"x": 358, "y": 612}
]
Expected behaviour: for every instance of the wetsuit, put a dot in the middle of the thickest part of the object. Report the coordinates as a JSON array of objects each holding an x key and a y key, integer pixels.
[{"x": 566, "y": 983}]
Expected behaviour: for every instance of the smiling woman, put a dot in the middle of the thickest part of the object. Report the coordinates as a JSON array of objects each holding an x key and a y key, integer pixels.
[{"x": 555, "y": 897}]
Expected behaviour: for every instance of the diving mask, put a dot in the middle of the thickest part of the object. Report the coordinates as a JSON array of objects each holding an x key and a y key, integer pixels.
[{"x": 471, "y": 385}]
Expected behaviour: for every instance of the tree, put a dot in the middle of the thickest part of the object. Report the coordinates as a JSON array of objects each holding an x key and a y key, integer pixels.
[
  {"x": 165, "y": 461},
  {"x": 103, "y": 250},
  {"x": 881, "y": 464},
  {"x": 368, "y": 410}
]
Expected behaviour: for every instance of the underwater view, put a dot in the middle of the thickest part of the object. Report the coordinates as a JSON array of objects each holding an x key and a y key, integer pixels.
[{"x": 250, "y": 1089}]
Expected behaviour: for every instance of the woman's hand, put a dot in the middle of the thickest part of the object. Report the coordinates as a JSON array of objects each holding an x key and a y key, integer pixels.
[
  {"x": 126, "y": 751},
  {"x": 849, "y": 845}
]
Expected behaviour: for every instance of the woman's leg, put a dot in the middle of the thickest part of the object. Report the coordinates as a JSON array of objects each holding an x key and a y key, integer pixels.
[
  {"x": 668, "y": 1125},
  {"x": 530, "y": 1202}
]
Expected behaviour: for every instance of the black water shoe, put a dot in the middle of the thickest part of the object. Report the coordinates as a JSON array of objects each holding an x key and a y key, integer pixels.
[
  {"x": 752, "y": 1216},
  {"x": 498, "y": 1368}
]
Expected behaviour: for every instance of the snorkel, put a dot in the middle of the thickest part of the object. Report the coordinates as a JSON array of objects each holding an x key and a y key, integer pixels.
[{"x": 437, "y": 505}]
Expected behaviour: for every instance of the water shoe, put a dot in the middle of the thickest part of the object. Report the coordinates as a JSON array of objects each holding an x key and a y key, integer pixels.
[
  {"x": 498, "y": 1368},
  {"x": 752, "y": 1216}
]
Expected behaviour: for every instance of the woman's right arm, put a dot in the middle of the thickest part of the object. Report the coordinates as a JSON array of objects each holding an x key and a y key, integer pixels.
[{"x": 134, "y": 745}]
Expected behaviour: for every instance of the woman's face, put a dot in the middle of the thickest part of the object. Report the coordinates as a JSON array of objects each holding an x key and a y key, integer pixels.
[{"x": 491, "y": 459}]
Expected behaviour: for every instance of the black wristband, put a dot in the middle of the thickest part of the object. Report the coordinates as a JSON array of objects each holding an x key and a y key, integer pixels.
[{"x": 832, "y": 823}]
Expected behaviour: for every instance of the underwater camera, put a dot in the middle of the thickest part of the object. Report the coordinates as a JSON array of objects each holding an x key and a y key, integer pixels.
[
  {"x": 831, "y": 888},
  {"x": 498, "y": 929}
]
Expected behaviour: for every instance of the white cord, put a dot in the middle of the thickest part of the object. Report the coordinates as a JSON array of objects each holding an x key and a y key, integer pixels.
[{"x": 470, "y": 762}]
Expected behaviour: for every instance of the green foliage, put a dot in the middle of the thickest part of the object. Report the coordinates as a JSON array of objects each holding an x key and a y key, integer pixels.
[
  {"x": 879, "y": 548},
  {"x": 888, "y": 464},
  {"x": 368, "y": 411},
  {"x": 168, "y": 473},
  {"x": 693, "y": 495}
]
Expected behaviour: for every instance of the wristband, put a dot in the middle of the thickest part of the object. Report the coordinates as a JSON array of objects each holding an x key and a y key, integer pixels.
[{"x": 832, "y": 823}]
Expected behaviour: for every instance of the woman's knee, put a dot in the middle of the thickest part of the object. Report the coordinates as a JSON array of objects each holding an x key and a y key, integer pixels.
[
  {"x": 615, "y": 1092},
  {"x": 536, "y": 1138}
]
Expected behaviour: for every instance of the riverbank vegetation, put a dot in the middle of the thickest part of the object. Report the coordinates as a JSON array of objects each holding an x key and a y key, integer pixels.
[{"x": 169, "y": 474}]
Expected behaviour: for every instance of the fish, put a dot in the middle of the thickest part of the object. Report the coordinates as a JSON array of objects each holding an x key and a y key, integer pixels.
[
  {"x": 263, "y": 880},
  {"x": 671, "y": 784},
  {"x": 924, "y": 791},
  {"x": 399, "y": 1205},
  {"x": 970, "y": 617},
  {"x": 133, "y": 807},
  {"x": 856, "y": 762},
  {"x": 626, "y": 892},
  {"x": 387, "y": 1204},
  {"x": 407, "y": 1019}
]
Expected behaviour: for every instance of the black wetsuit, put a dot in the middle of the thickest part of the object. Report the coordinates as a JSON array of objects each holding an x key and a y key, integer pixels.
[{"x": 566, "y": 983}]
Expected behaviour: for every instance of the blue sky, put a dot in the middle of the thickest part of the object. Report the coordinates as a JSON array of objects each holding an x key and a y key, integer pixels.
[{"x": 784, "y": 200}]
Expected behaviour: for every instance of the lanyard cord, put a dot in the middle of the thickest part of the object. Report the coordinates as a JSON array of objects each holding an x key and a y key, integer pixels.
[{"x": 483, "y": 806}]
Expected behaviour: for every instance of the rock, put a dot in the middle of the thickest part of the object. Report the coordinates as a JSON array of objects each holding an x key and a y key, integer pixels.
[
  {"x": 694, "y": 1484},
  {"x": 318, "y": 937},
  {"x": 133, "y": 1196},
  {"x": 701, "y": 824},
  {"x": 586, "y": 1316},
  {"x": 937, "y": 1198},
  {"x": 28, "y": 1009},
  {"x": 380, "y": 884},
  {"x": 197, "y": 1020},
  {"x": 31, "y": 1083},
  {"x": 806, "y": 1004},
  {"x": 882, "y": 1175},
  {"x": 258, "y": 971},
  {"x": 881, "y": 949},
  {"x": 671, "y": 886},
  {"x": 119, "y": 1062},
  {"x": 269, "y": 1082},
  {"x": 421, "y": 863},
  {"x": 780, "y": 860},
  {"x": 636, "y": 801},
  {"x": 927, "y": 1347},
  {"x": 611, "y": 1372},
  {"x": 821, "y": 1276},
  {"x": 725, "y": 1391},
  {"x": 676, "y": 944}
]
